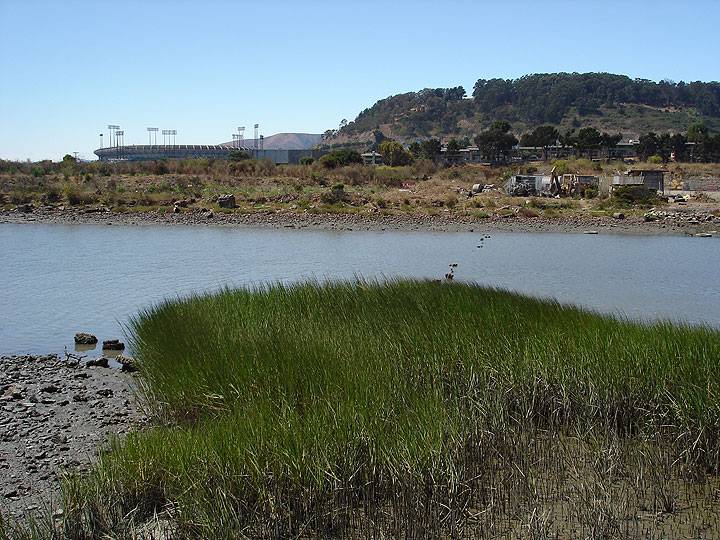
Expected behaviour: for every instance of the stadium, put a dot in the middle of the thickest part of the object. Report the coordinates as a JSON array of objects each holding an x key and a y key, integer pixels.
[{"x": 269, "y": 148}]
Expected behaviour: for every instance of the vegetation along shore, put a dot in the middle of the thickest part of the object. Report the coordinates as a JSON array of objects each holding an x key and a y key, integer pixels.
[
  {"x": 407, "y": 409},
  {"x": 421, "y": 195}
]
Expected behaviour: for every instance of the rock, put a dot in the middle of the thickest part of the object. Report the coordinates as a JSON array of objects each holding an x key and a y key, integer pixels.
[
  {"x": 82, "y": 338},
  {"x": 619, "y": 215},
  {"x": 10, "y": 493},
  {"x": 105, "y": 392},
  {"x": 25, "y": 208},
  {"x": 176, "y": 209},
  {"x": 59, "y": 438},
  {"x": 49, "y": 389},
  {"x": 15, "y": 391},
  {"x": 126, "y": 363},
  {"x": 590, "y": 232},
  {"x": 113, "y": 345},
  {"x": 99, "y": 362},
  {"x": 226, "y": 201}
]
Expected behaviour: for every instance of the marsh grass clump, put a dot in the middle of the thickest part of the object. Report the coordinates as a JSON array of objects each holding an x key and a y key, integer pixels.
[{"x": 409, "y": 409}]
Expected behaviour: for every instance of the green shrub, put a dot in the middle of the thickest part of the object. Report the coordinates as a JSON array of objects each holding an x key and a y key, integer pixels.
[
  {"x": 635, "y": 195},
  {"x": 340, "y": 158},
  {"x": 75, "y": 196}
]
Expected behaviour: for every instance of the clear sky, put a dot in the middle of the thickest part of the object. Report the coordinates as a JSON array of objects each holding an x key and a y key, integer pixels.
[{"x": 67, "y": 69}]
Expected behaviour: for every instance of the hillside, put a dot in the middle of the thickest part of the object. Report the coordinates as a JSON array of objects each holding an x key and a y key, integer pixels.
[
  {"x": 286, "y": 141},
  {"x": 612, "y": 103}
]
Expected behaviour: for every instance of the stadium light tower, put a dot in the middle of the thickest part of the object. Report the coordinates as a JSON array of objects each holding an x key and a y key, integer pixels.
[
  {"x": 112, "y": 128},
  {"x": 173, "y": 133},
  {"x": 152, "y": 131},
  {"x": 101, "y": 141},
  {"x": 236, "y": 140},
  {"x": 165, "y": 133},
  {"x": 119, "y": 136},
  {"x": 241, "y": 136}
]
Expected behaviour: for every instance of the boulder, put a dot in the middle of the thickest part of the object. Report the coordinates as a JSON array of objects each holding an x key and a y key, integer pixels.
[
  {"x": 619, "y": 215},
  {"x": 82, "y": 338},
  {"x": 113, "y": 345},
  {"x": 126, "y": 363},
  {"x": 226, "y": 201},
  {"x": 99, "y": 362}
]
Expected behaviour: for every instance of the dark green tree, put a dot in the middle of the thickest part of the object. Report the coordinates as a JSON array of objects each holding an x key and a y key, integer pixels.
[
  {"x": 588, "y": 140},
  {"x": 496, "y": 143},
  {"x": 697, "y": 132},
  {"x": 453, "y": 147},
  {"x": 415, "y": 148},
  {"x": 431, "y": 149},
  {"x": 678, "y": 146},
  {"x": 648, "y": 145},
  {"x": 541, "y": 136}
]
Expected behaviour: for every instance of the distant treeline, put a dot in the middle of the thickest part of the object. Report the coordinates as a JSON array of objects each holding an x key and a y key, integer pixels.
[
  {"x": 550, "y": 96},
  {"x": 532, "y": 100}
]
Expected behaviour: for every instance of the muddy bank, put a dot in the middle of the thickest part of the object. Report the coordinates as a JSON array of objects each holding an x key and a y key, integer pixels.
[
  {"x": 686, "y": 224},
  {"x": 54, "y": 417}
]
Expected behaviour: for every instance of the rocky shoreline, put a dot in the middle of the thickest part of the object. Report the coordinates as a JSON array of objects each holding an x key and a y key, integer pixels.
[
  {"x": 55, "y": 415},
  {"x": 677, "y": 223}
]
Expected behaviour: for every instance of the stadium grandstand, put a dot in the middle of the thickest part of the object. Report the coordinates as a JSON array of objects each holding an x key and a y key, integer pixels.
[
  {"x": 282, "y": 148},
  {"x": 147, "y": 152}
]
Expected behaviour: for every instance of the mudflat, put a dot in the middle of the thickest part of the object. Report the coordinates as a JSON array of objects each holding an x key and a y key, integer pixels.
[{"x": 55, "y": 415}]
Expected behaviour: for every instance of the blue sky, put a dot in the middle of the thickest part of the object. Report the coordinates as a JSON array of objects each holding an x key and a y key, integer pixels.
[{"x": 205, "y": 67}]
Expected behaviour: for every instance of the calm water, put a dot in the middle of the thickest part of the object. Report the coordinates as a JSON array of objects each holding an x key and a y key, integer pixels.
[{"x": 57, "y": 280}]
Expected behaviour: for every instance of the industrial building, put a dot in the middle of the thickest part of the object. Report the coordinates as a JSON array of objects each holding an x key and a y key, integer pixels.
[{"x": 653, "y": 180}]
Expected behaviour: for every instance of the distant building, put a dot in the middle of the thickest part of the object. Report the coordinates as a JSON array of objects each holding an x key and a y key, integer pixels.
[
  {"x": 653, "y": 180},
  {"x": 623, "y": 150},
  {"x": 371, "y": 158}
]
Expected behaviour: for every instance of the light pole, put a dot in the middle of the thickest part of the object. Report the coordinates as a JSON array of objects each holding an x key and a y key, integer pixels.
[
  {"x": 241, "y": 136},
  {"x": 119, "y": 136},
  {"x": 101, "y": 141},
  {"x": 112, "y": 128},
  {"x": 151, "y": 131},
  {"x": 255, "y": 140}
]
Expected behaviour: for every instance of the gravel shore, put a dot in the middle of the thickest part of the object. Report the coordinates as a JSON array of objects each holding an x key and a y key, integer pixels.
[
  {"x": 55, "y": 415},
  {"x": 687, "y": 225}
]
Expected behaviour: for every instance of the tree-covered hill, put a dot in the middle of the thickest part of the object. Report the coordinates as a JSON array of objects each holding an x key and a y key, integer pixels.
[{"x": 612, "y": 103}]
